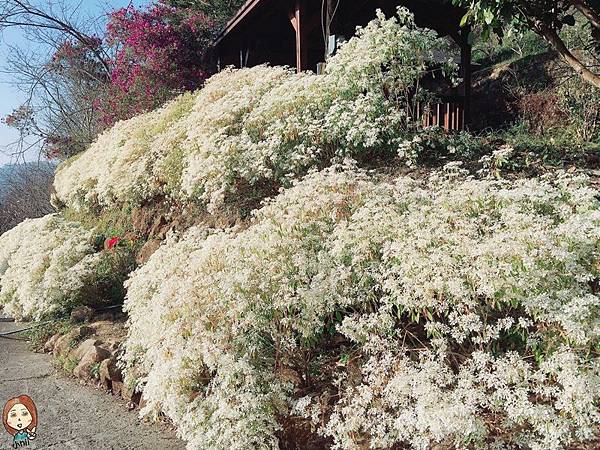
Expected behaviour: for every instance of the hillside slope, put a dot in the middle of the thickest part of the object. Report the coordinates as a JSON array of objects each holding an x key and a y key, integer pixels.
[{"x": 371, "y": 284}]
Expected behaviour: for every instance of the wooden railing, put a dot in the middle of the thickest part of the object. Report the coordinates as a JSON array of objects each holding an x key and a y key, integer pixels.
[{"x": 448, "y": 114}]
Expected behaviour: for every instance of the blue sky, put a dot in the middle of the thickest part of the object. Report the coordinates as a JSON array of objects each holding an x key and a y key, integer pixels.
[{"x": 10, "y": 98}]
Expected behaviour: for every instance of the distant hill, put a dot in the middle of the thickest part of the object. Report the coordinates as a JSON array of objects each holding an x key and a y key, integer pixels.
[
  {"x": 24, "y": 192},
  {"x": 11, "y": 172}
]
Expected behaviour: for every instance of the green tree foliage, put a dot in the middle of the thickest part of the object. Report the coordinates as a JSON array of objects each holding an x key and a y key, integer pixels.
[
  {"x": 545, "y": 17},
  {"x": 218, "y": 10}
]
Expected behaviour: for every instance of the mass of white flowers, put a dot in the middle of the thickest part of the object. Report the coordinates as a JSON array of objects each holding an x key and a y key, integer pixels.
[
  {"x": 386, "y": 312},
  {"x": 262, "y": 124},
  {"x": 447, "y": 311},
  {"x": 44, "y": 264}
]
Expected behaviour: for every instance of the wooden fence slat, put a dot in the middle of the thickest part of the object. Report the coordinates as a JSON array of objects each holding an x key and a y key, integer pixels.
[{"x": 449, "y": 114}]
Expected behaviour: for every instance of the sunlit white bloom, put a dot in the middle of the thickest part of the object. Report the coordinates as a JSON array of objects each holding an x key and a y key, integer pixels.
[
  {"x": 44, "y": 264},
  {"x": 261, "y": 125},
  {"x": 464, "y": 304}
]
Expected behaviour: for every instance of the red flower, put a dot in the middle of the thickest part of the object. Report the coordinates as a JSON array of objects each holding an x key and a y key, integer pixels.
[{"x": 111, "y": 243}]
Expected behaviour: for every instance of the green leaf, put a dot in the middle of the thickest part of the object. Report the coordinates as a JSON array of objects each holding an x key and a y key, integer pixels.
[
  {"x": 488, "y": 16},
  {"x": 465, "y": 19},
  {"x": 485, "y": 34}
]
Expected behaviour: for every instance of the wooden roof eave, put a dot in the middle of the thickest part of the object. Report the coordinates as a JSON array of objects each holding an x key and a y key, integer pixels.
[
  {"x": 246, "y": 9},
  {"x": 250, "y": 6}
]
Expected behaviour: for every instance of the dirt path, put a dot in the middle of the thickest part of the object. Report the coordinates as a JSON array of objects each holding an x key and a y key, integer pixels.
[{"x": 71, "y": 416}]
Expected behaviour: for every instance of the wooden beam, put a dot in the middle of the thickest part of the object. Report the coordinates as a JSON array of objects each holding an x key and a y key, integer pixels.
[
  {"x": 466, "y": 72},
  {"x": 292, "y": 17},
  {"x": 244, "y": 11},
  {"x": 298, "y": 20}
]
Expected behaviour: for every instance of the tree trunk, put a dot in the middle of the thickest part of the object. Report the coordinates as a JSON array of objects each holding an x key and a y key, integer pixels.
[
  {"x": 590, "y": 13},
  {"x": 554, "y": 39}
]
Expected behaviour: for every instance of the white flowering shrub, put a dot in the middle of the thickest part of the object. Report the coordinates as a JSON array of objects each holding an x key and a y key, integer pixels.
[
  {"x": 203, "y": 324},
  {"x": 117, "y": 168},
  {"x": 398, "y": 312},
  {"x": 45, "y": 265},
  {"x": 262, "y": 126}
]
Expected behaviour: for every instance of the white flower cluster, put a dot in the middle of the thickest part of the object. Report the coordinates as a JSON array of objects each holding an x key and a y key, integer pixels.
[
  {"x": 261, "y": 125},
  {"x": 44, "y": 264},
  {"x": 492, "y": 402},
  {"x": 450, "y": 311}
]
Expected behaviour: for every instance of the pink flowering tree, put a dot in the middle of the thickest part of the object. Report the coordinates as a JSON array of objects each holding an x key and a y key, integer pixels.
[
  {"x": 158, "y": 53},
  {"x": 97, "y": 76}
]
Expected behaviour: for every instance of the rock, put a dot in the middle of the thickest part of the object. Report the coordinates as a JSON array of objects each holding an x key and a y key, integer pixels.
[
  {"x": 64, "y": 344},
  {"x": 159, "y": 228},
  {"x": 94, "y": 354},
  {"x": 114, "y": 346},
  {"x": 82, "y": 331},
  {"x": 105, "y": 317},
  {"x": 177, "y": 224},
  {"x": 129, "y": 393},
  {"x": 49, "y": 345},
  {"x": 90, "y": 346},
  {"x": 147, "y": 220},
  {"x": 86, "y": 346},
  {"x": 82, "y": 314},
  {"x": 138, "y": 218},
  {"x": 117, "y": 387},
  {"x": 109, "y": 330},
  {"x": 110, "y": 372},
  {"x": 83, "y": 371},
  {"x": 147, "y": 250}
]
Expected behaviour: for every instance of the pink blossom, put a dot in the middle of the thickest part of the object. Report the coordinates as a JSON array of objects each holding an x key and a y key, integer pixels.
[{"x": 159, "y": 53}]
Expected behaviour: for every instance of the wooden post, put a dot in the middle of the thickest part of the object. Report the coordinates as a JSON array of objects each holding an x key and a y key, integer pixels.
[
  {"x": 465, "y": 73},
  {"x": 447, "y": 117},
  {"x": 298, "y": 19},
  {"x": 328, "y": 27}
]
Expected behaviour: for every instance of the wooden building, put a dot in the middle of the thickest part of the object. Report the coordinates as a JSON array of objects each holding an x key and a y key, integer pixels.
[{"x": 300, "y": 33}]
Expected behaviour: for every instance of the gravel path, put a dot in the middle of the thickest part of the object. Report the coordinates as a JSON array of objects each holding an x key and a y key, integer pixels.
[{"x": 71, "y": 416}]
